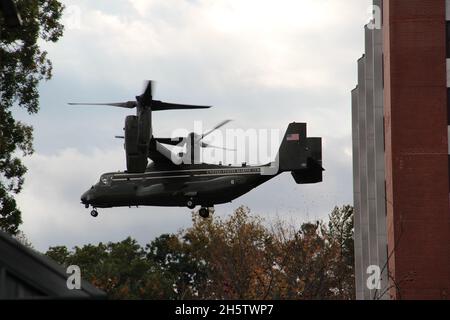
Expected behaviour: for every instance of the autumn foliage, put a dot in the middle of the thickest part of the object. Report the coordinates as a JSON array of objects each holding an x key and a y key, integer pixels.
[{"x": 241, "y": 257}]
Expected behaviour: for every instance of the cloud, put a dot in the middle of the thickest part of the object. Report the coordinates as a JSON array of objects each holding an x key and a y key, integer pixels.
[
  {"x": 295, "y": 60},
  {"x": 296, "y": 44}
]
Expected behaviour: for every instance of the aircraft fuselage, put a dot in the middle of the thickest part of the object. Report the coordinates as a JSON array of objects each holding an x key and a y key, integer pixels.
[{"x": 202, "y": 184}]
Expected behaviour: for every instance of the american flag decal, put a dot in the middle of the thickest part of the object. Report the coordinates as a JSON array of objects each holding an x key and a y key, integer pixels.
[{"x": 293, "y": 137}]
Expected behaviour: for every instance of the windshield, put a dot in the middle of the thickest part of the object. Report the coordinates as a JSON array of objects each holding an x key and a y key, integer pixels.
[{"x": 105, "y": 179}]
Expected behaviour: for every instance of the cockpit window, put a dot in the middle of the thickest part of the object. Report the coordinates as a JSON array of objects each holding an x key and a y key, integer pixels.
[{"x": 106, "y": 179}]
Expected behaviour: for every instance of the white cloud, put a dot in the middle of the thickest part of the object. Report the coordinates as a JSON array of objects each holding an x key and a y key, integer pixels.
[{"x": 295, "y": 44}]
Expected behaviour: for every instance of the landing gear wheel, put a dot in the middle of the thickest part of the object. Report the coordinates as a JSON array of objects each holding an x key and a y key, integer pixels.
[
  {"x": 190, "y": 204},
  {"x": 203, "y": 212},
  {"x": 94, "y": 213}
]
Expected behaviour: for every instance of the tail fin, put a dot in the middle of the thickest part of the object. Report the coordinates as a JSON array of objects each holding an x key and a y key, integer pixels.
[{"x": 301, "y": 155}]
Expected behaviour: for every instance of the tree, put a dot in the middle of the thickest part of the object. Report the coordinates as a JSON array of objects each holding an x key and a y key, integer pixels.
[
  {"x": 319, "y": 257},
  {"x": 340, "y": 234},
  {"x": 240, "y": 257},
  {"x": 237, "y": 255},
  {"x": 22, "y": 66},
  {"x": 181, "y": 270},
  {"x": 120, "y": 269}
]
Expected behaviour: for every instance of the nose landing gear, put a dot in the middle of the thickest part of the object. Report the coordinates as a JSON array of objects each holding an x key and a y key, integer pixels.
[{"x": 94, "y": 213}]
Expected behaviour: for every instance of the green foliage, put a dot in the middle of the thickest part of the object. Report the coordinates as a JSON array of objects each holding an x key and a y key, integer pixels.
[
  {"x": 22, "y": 65},
  {"x": 236, "y": 258},
  {"x": 121, "y": 269}
]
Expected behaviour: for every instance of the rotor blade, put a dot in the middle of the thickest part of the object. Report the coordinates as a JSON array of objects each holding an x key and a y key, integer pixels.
[
  {"x": 171, "y": 141},
  {"x": 207, "y": 145},
  {"x": 147, "y": 98},
  {"x": 215, "y": 128},
  {"x": 128, "y": 104},
  {"x": 159, "y": 105},
  {"x": 119, "y": 137}
]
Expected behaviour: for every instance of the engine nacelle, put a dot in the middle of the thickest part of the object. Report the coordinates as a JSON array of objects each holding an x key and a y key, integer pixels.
[{"x": 136, "y": 158}]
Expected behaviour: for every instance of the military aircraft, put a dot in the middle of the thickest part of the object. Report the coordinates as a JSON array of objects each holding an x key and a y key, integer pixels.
[{"x": 180, "y": 179}]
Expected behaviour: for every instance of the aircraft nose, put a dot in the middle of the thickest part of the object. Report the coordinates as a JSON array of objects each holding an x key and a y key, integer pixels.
[{"x": 86, "y": 197}]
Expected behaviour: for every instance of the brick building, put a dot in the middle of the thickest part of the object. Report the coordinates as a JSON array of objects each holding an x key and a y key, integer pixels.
[{"x": 401, "y": 151}]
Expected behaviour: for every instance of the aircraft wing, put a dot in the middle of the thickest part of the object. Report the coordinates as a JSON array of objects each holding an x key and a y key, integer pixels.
[{"x": 160, "y": 154}]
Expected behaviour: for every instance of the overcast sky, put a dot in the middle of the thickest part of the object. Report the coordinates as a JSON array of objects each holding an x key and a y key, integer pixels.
[{"x": 261, "y": 63}]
